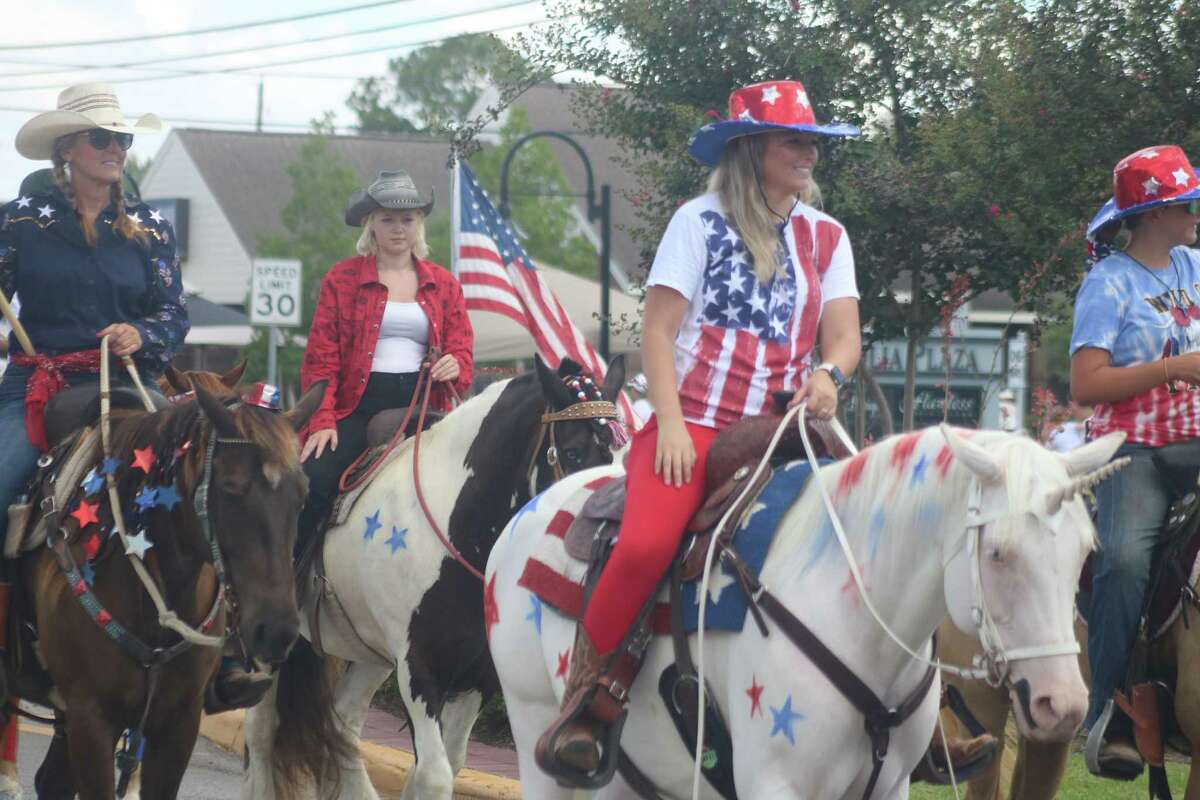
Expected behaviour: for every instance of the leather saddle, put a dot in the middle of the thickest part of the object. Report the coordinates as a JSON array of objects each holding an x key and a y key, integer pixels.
[
  {"x": 77, "y": 406},
  {"x": 731, "y": 462},
  {"x": 384, "y": 425}
]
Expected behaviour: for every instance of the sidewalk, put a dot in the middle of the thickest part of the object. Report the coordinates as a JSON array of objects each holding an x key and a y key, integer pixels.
[
  {"x": 384, "y": 729},
  {"x": 490, "y": 773}
]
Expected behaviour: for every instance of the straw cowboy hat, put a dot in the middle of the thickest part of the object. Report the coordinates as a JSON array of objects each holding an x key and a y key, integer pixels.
[
  {"x": 1151, "y": 177},
  {"x": 762, "y": 107},
  {"x": 80, "y": 108},
  {"x": 394, "y": 190}
]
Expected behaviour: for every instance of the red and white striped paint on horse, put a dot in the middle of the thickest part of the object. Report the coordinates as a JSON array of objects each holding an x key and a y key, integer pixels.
[{"x": 794, "y": 735}]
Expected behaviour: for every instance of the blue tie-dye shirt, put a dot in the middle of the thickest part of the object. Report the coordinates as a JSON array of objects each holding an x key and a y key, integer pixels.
[{"x": 1140, "y": 315}]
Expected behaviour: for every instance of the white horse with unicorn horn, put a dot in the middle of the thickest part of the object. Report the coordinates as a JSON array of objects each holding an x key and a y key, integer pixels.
[{"x": 987, "y": 527}]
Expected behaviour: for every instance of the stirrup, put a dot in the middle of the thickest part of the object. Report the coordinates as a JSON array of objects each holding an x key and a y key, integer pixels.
[
  {"x": 609, "y": 742},
  {"x": 1095, "y": 743},
  {"x": 928, "y": 769}
]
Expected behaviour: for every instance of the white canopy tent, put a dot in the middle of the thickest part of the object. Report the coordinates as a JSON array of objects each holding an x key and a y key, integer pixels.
[{"x": 498, "y": 338}]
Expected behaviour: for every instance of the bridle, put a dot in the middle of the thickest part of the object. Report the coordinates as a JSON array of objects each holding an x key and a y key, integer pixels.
[{"x": 583, "y": 410}]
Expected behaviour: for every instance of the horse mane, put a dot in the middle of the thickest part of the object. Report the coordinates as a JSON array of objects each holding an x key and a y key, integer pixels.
[
  {"x": 170, "y": 428},
  {"x": 914, "y": 476}
]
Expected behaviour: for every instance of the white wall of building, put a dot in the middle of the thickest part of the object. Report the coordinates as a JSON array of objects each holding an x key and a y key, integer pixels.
[{"x": 216, "y": 266}]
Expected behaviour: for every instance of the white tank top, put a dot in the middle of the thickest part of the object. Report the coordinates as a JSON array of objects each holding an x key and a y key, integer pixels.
[{"x": 403, "y": 338}]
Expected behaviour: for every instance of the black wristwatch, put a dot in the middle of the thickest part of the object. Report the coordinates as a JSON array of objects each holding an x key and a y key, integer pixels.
[{"x": 839, "y": 380}]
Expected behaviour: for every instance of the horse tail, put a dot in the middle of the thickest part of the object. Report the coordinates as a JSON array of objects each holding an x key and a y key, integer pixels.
[{"x": 309, "y": 743}]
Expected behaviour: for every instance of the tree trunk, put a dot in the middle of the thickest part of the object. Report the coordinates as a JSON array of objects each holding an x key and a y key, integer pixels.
[
  {"x": 886, "y": 421},
  {"x": 910, "y": 381}
]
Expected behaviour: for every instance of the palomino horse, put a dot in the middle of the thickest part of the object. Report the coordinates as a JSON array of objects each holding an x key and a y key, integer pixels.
[
  {"x": 1038, "y": 767},
  {"x": 908, "y": 504},
  {"x": 397, "y": 599},
  {"x": 113, "y": 665}
]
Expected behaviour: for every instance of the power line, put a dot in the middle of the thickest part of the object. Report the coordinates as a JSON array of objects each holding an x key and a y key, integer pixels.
[
  {"x": 285, "y": 62},
  {"x": 61, "y": 67},
  {"x": 197, "y": 120},
  {"x": 197, "y": 31}
]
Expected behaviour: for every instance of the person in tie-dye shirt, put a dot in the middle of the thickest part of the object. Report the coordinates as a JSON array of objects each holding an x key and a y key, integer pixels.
[{"x": 1135, "y": 354}]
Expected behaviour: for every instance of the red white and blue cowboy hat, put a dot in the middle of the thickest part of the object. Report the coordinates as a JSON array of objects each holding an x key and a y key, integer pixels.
[
  {"x": 761, "y": 108},
  {"x": 1151, "y": 177}
]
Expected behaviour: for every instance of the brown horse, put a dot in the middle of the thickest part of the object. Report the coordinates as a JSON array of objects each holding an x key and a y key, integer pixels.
[
  {"x": 1039, "y": 768},
  {"x": 113, "y": 666},
  {"x": 177, "y": 383}
]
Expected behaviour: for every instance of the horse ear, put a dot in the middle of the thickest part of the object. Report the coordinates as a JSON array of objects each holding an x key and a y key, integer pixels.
[
  {"x": 614, "y": 379},
  {"x": 985, "y": 466},
  {"x": 552, "y": 385},
  {"x": 232, "y": 378},
  {"x": 177, "y": 380},
  {"x": 220, "y": 416},
  {"x": 1093, "y": 455},
  {"x": 308, "y": 405}
]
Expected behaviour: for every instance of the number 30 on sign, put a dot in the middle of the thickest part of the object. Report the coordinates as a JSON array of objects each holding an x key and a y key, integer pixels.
[{"x": 275, "y": 292}]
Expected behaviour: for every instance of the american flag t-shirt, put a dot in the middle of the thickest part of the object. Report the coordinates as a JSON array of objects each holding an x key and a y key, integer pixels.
[{"x": 742, "y": 340}]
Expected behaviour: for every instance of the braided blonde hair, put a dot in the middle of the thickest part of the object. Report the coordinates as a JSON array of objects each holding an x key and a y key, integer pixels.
[{"x": 123, "y": 225}]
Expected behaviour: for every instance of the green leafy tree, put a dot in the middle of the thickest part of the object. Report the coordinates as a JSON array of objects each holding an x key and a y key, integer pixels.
[
  {"x": 430, "y": 87},
  {"x": 991, "y": 123},
  {"x": 314, "y": 233}
]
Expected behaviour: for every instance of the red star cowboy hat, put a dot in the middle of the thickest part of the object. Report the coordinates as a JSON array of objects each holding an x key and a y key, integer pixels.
[
  {"x": 1151, "y": 177},
  {"x": 761, "y": 108},
  {"x": 80, "y": 108}
]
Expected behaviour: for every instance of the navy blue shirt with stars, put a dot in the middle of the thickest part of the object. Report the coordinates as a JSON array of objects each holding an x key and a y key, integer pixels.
[{"x": 69, "y": 291}]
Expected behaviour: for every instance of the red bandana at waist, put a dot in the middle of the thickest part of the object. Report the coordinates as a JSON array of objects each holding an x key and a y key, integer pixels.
[{"x": 45, "y": 382}]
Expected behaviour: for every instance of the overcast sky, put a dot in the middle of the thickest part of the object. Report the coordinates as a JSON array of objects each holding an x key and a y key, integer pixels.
[{"x": 293, "y": 94}]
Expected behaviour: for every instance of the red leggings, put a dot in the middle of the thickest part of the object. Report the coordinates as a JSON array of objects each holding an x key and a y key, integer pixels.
[{"x": 655, "y": 517}]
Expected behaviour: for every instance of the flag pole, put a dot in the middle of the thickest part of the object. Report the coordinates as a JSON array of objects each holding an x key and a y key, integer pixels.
[{"x": 455, "y": 210}]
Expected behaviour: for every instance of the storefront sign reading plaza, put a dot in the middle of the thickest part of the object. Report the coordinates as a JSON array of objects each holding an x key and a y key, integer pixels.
[{"x": 966, "y": 359}]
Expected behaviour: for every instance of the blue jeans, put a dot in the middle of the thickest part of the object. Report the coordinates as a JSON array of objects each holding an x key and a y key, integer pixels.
[
  {"x": 1131, "y": 509},
  {"x": 20, "y": 456}
]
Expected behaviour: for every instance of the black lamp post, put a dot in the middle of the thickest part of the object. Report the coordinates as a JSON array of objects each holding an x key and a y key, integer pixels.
[{"x": 595, "y": 210}]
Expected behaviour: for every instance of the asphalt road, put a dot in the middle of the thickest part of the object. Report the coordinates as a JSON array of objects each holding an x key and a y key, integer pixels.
[{"x": 213, "y": 773}]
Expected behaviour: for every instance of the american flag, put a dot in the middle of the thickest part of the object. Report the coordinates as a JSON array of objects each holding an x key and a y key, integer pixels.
[{"x": 497, "y": 275}]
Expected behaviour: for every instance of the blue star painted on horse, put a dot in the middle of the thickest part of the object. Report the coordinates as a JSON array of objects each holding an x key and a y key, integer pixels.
[
  {"x": 784, "y": 719},
  {"x": 373, "y": 524},
  {"x": 147, "y": 498},
  {"x": 168, "y": 498},
  {"x": 535, "y": 614},
  {"x": 396, "y": 542}
]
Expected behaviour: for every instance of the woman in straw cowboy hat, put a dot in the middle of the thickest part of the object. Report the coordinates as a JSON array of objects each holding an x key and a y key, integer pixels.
[
  {"x": 86, "y": 263},
  {"x": 378, "y": 317},
  {"x": 749, "y": 279},
  {"x": 1135, "y": 354}
]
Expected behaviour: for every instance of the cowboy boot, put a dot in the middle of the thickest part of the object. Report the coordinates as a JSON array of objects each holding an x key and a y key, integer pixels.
[
  {"x": 968, "y": 756},
  {"x": 571, "y": 749}
]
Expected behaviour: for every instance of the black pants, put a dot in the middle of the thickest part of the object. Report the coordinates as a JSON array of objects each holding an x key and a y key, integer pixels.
[{"x": 384, "y": 390}]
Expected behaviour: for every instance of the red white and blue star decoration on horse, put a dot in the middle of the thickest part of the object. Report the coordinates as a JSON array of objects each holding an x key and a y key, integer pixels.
[
  {"x": 1151, "y": 177},
  {"x": 763, "y": 107},
  {"x": 263, "y": 395}
]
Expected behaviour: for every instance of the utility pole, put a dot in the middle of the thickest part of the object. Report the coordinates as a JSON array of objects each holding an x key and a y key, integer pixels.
[{"x": 258, "y": 117}]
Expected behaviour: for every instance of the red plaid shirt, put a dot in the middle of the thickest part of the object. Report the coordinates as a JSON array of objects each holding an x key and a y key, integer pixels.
[{"x": 345, "y": 328}]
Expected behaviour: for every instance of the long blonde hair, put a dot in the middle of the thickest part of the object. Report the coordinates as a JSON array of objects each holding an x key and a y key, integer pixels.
[
  {"x": 367, "y": 246},
  {"x": 123, "y": 224},
  {"x": 736, "y": 180}
]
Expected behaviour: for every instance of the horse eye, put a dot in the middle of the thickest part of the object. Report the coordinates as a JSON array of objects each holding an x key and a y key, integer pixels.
[{"x": 996, "y": 554}]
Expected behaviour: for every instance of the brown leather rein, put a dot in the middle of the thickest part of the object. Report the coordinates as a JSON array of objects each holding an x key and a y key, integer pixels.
[{"x": 588, "y": 409}]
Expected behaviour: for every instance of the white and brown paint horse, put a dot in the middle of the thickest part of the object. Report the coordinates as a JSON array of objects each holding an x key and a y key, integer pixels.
[
  {"x": 408, "y": 605},
  {"x": 905, "y": 506}
]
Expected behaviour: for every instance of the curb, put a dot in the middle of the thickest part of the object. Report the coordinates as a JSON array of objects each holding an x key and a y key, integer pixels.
[{"x": 387, "y": 766}]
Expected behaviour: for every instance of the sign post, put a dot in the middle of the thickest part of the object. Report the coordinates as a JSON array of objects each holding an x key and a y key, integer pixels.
[{"x": 275, "y": 302}]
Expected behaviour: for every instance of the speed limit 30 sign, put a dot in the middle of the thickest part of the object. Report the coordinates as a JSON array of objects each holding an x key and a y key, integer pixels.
[{"x": 275, "y": 292}]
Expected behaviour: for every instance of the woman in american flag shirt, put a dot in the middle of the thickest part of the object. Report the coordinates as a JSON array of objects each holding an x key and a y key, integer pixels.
[{"x": 749, "y": 279}]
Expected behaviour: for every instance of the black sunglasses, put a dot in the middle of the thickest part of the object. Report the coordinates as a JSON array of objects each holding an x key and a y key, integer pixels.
[{"x": 100, "y": 139}]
